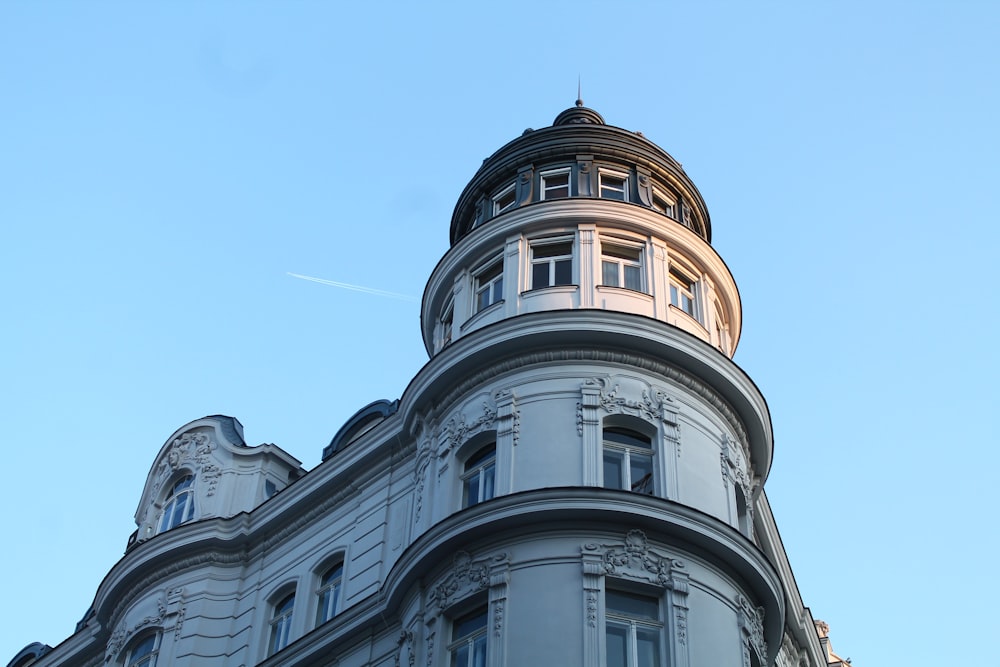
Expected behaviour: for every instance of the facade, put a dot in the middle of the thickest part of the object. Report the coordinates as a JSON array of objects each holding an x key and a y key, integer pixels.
[{"x": 574, "y": 478}]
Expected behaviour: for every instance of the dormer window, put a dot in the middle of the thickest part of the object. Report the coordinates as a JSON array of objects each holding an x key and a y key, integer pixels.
[
  {"x": 179, "y": 506},
  {"x": 613, "y": 185},
  {"x": 504, "y": 200}
]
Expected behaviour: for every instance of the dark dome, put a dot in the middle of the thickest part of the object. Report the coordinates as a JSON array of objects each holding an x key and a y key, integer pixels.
[{"x": 577, "y": 115}]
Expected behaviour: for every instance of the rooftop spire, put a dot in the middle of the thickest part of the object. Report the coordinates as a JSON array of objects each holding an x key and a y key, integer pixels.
[{"x": 579, "y": 95}]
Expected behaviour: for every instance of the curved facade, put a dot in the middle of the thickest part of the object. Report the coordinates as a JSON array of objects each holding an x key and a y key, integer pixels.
[{"x": 574, "y": 478}]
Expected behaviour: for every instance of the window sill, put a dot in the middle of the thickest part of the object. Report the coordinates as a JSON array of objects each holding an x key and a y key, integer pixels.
[
  {"x": 551, "y": 288},
  {"x": 625, "y": 290}
]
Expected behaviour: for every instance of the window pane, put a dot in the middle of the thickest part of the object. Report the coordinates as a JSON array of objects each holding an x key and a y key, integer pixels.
[
  {"x": 641, "y": 470},
  {"x": 479, "y": 652},
  {"x": 564, "y": 272},
  {"x": 488, "y": 475},
  {"x": 647, "y": 647},
  {"x": 498, "y": 290},
  {"x": 460, "y": 656},
  {"x": 471, "y": 491},
  {"x": 483, "y": 299},
  {"x": 629, "y": 604},
  {"x": 633, "y": 278},
  {"x": 540, "y": 275},
  {"x": 613, "y": 463},
  {"x": 609, "y": 273},
  {"x": 551, "y": 250},
  {"x": 617, "y": 643},
  {"x": 628, "y": 438},
  {"x": 468, "y": 625}
]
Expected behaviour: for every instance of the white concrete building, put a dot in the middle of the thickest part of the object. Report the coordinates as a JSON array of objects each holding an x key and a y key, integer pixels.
[{"x": 574, "y": 478}]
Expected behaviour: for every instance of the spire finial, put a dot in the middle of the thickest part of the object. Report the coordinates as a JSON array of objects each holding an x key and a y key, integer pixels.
[{"x": 579, "y": 95}]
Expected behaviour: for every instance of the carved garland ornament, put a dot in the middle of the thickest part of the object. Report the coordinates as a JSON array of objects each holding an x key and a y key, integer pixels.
[
  {"x": 752, "y": 623},
  {"x": 466, "y": 576}
]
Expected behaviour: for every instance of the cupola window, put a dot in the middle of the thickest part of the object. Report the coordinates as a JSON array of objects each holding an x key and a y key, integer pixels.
[
  {"x": 504, "y": 200},
  {"x": 555, "y": 184},
  {"x": 664, "y": 203},
  {"x": 613, "y": 185}
]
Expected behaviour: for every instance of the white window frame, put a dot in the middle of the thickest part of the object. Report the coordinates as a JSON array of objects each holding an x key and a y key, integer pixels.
[
  {"x": 488, "y": 283},
  {"x": 627, "y": 452},
  {"x": 499, "y": 207},
  {"x": 146, "y": 659},
  {"x": 469, "y": 641},
  {"x": 552, "y": 261},
  {"x": 447, "y": 322},
  {"x": 483, "y": 469},
  {"x": 543, "y": 187},
  {"x": 180, "y": 500},
  {"x": 617, "y": 175},
  {"x": 683, "y": 285},
  {"x": 669, "y": 207},
  {"x": 280, "y": 625},
  {"x": 608, "y": 248},
  {"x": 329, "y": 592},
  {"x": 633, "y": 625}
]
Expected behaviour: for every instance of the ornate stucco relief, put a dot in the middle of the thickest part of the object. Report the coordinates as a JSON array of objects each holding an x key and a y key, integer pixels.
[
  {"x": 169, "y": 605},
  {"x": 752, "y": 625},
  {"x": 467, "y": 576}
]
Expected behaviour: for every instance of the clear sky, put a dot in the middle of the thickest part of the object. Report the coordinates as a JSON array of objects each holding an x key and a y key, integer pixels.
[{"x": 164, "y": 166}]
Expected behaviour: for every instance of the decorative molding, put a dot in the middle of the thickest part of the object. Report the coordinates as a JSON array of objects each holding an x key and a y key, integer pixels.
[
  {"x": 752, "y": 624},
  {"x": 467, "y": 576},
  {"x": 591, "y": 609},
  {"x": 430, "y": 649},
  {"x": 653, "y": 405},
  {"x": 405, "y": 641},
  {"x": 498, "y": 607},
  {"x": 457, "y": 430},
  {"x": 634, "y": 559}
]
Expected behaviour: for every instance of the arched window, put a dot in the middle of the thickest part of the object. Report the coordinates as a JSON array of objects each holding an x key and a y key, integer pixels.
[
  {"x": 281, "y": 624},
  {"x": 329, "y": 593},
  {"x": 628, "y": 461},
  {"x": 479, "y": 476},
  {"x": 143, "y": 652},
  {"x": 179, "y": 506}
]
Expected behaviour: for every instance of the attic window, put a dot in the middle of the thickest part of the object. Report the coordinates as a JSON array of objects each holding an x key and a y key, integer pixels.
[{"x": 179, "y": 505}]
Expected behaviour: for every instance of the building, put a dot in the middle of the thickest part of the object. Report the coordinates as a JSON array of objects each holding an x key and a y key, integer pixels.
[{"x": 574, "y": 478}]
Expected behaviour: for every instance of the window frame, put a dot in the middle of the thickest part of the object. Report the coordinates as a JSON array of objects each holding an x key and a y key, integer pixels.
[
  {"x": 280, "y": 625},
  {"x": 148, "y": 659},
  {"x": 486, "y": 282},
  {"x": 627, "y": 446},
  {"x": 477, "y": 636},
  {"x": 617, "y": 175},
  {"x": 169, "y": 509},
  {"x": 632, "y": 623},
  {"x": 546, "y": 175},
  {"x": 500, "y": 196},
  {"x": 621, "y": 262},
  {"x": 669, "y": 206},
  {"x": 326, "y": 609},
  {"x": 447, "y": 322},
  {"x": 683, "y": 285},
  {"x": 552, "y": 261},
  {"x": 482, "y": 461}
]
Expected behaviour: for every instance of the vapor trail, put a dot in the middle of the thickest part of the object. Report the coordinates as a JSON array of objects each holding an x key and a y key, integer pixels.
[{"x": 356, "y": 288}]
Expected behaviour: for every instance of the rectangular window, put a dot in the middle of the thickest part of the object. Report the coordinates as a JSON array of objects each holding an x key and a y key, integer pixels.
[
  {"x": 628, "y": 461},
  {"x": 621, "y": 266},
  {"x": 632, "y": 630},
  {"x": 555, "y": 184},
  {"x": 468, "y": 640},
  {"x": 489, "y": 285},
  {"x": 447, "y": 323},
  {"x": 504, "y": 200},
  {"x": 682, "y": 292},
  {"x": 613, "y": 185},
  {"x": 478, "y": 481},
  {"x": 664, "y": 203},
  {"x": 551, "y": 264}
]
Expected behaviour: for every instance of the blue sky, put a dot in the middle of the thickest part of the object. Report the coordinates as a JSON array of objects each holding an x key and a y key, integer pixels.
[{"x": 164, "y": 166}]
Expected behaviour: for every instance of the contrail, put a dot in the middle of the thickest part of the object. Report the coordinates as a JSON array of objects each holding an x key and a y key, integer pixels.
[{"x": 357, "y": 288}]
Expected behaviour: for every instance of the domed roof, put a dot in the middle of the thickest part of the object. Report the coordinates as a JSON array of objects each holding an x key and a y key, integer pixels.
[
  {"x": 579, "y": 114},
  {"x": 507, "y": 179}
]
